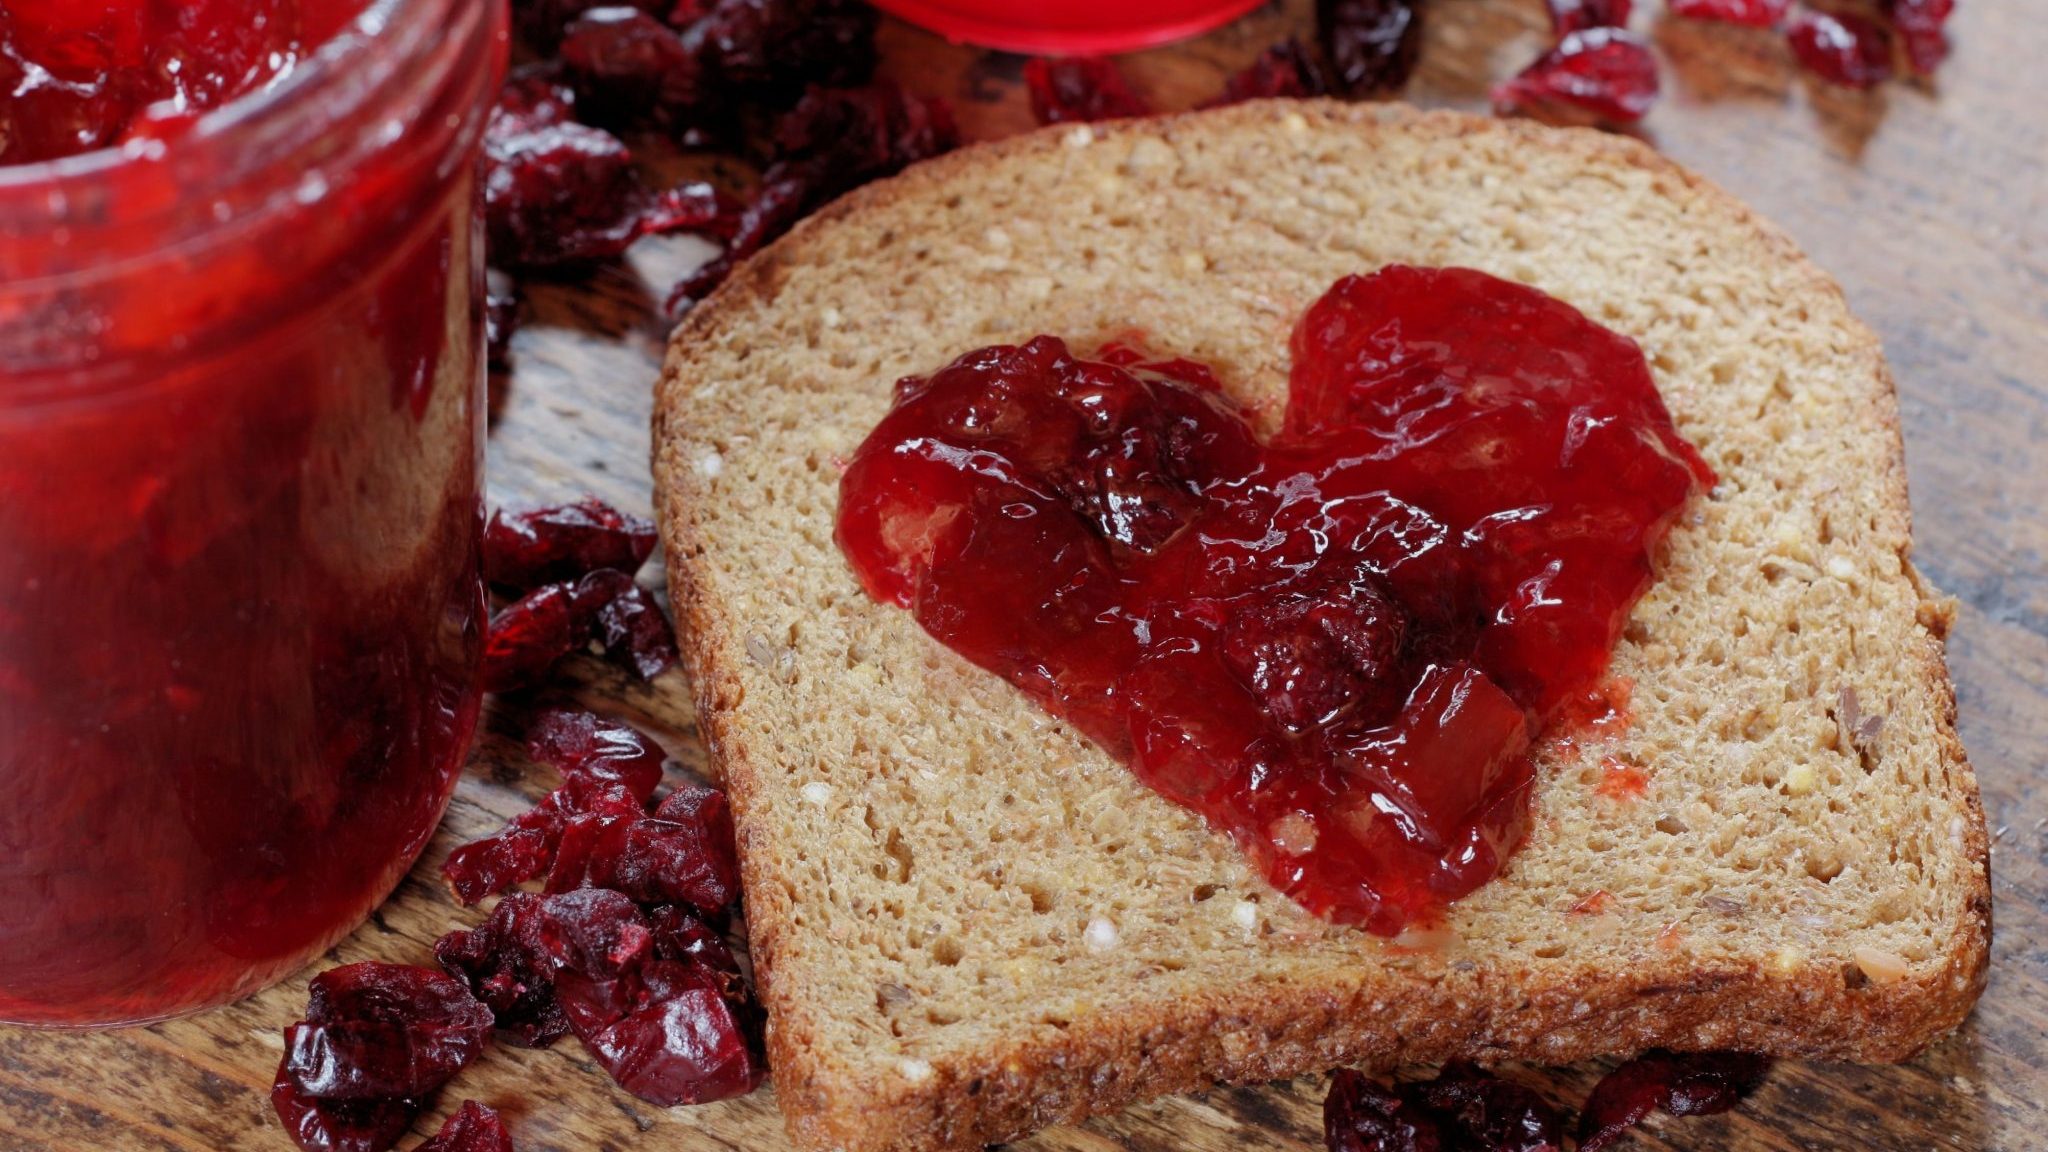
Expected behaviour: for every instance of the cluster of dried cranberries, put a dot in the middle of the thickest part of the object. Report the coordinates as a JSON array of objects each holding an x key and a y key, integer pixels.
[
  {"x": 1596, "y": 68},
  {"x": 1603, "y": 69},
  {"x": 1466, "y": 1109},
  {"x": 574, "y": 566},
  {"x": 622, "y": 947},
  {"x": 561, "y": 191},
  {"x": 621, "y": 950}
]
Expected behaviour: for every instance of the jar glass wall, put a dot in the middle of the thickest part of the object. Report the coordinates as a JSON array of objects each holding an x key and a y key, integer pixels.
[{"x": 241, "y": 419}]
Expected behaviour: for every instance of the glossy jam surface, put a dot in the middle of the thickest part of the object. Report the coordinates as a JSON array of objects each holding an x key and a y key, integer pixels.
[
  {"x": 79, "y": 75},
  {"x": 1336, "y": 643},
  {"x": 241, "y": 611}
]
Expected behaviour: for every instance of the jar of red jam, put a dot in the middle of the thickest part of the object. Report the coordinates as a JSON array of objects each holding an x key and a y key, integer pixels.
[{"x": 241, "y": 435}]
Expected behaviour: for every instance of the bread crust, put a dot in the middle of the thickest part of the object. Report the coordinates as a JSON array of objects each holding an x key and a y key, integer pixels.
[{"x": 1263, "y": 1031}]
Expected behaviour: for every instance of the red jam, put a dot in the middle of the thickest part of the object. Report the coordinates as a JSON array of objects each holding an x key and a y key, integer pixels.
[
  {"x": 79, "y": 75},
  {"x": 1336, "y": 644},
  {"x": 240, "y": 459}
]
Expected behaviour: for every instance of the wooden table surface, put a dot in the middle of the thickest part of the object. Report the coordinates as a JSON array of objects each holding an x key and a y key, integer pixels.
[{"x": 1930, "y": 206}]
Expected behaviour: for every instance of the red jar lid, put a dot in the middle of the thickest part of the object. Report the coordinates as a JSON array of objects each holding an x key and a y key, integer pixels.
[{"x": 1068, "y": 27}]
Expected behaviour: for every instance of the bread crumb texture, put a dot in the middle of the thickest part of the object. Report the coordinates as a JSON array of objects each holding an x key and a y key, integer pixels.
[{"x": 969, "y": 922}]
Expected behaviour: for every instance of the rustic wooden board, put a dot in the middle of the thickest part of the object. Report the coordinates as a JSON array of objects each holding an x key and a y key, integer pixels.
[{"x": 1932, "y": 209}]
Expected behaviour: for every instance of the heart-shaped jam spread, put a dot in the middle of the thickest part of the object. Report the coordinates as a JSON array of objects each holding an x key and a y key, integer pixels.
[{"x": 1336, "y": 644}]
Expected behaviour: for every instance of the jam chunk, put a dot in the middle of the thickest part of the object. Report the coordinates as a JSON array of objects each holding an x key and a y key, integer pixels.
[{"x": 1336, "y": 645}]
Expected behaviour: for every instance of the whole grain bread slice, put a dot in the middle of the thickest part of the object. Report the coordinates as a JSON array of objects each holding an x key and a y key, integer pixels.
[{"x": 968, "y": 922}]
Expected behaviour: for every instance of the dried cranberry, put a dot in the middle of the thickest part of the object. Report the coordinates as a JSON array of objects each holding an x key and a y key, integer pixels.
[
  {"x": 683, "y": 855},
  {"x": 1608, "y": 72},
  {"x": 506, "y": 966},
  {"x": 544, "y": 173},
  {"x": 595, "y": 933},
  {"x": 1362, "y": 1115},
  {"x": 553, "y": 620},
  {"x": 529, "y": 636},
  {"x": 340, "y": 1125},
  {"x": 1287, "y": 69},
  {"x": 1841, "y": 48},
  {"x": 611, "y": 769},
  {"x": 628, "y": 67},
  {"x": 770, "y": 51},
  {"x": 526, "y": 549},
  {"x": 557, "y": 192},
  {"x": 852, "y": 135},
  {"x": 1372, "y": 44},
  {"x": 1921, "y": 25},
  {"x": 659, "y": 1001},
  {"x": 1486, "y": 1113},
  {"x": 584, "y": 745},
  {"x": 706, "y": 809},
  {"x": 636, "y": 633},
  {"x": 1749, "y": 13},
  {"x": 607, "y": 606},
  {"x": 666, "y": 1032},
  {"x": 513, "y": 959},
  {"x": 473, "y": 1128},
  {"x": 833, "y": 141},
  {"x": 377, "y": 1031},
  {"x": 1689, "y": 1084},
  {"x": 523, "y": 849},
  {"x": 1080, "y": 89},
  {"x": 1569, "y": 16},
  {"x": 681, "y": 935}
]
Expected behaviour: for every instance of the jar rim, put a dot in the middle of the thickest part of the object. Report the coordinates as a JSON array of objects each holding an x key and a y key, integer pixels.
[{"x": 326, "y": 85}]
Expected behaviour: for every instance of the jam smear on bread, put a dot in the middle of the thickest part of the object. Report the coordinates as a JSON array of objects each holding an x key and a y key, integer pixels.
[{"x": 1336, "y": 644}]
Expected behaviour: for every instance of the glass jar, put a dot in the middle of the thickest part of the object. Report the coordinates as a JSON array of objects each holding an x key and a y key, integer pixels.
[
  {"x": 1068, "y": 27},
  {"x": 241, "y": 445}
]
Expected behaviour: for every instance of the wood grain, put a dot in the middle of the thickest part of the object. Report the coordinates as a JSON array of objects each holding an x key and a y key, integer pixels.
[{"x": 1931, "y": 206}]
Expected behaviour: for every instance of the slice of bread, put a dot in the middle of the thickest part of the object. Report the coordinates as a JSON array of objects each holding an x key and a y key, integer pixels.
[{"x": 968, "y": 922}]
